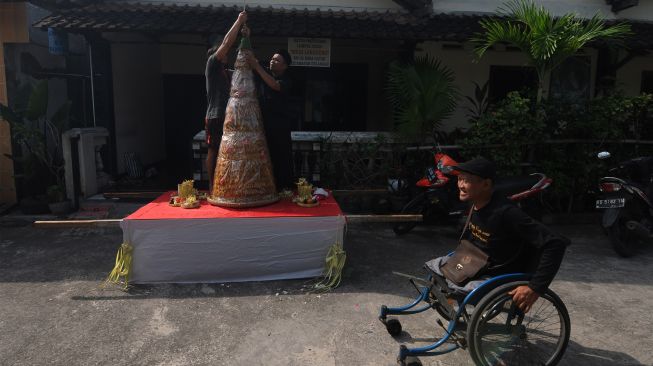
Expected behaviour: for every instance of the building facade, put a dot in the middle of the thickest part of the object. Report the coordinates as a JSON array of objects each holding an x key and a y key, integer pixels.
[{"x": 149, "y": 57}]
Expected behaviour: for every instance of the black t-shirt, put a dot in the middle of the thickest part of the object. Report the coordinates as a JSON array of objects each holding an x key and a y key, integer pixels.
[
  {"x": 274, "y": 104},
  {"x": 217, "y": 87},
  {"x": 508, "y": 235}
]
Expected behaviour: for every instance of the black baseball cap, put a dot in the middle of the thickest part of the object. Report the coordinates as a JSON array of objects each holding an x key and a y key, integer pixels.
[{"x": 480, "y": 167}]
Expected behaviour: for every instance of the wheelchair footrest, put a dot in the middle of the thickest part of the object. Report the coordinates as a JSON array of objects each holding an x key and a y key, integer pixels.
[{"x": 441, "y": 296}]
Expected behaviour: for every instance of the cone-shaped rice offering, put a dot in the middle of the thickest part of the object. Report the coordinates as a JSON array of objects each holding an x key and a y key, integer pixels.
[{"x": 243, "y": 175}]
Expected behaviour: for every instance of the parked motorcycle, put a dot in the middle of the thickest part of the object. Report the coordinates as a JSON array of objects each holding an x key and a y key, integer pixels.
[
  {"x": 438, "y": 201},
  {"x": 626, "y": 193}
]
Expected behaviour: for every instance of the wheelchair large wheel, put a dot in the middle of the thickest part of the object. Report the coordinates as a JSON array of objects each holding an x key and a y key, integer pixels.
[{"x": 500, "y": 334}]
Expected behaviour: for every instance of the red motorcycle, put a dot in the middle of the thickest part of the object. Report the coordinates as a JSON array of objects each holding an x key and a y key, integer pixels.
[{"x": 438, "y": 201}]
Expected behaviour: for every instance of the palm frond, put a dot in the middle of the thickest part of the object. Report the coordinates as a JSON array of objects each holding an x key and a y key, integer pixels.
[
  {"x": 422, "y": 94},
  {"x": 547, "y": 40},
  {"x": 497, "y": 31}
]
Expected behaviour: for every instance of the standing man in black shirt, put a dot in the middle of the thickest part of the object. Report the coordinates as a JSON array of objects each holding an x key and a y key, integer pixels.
[
  {"x": 217, "y": 94},
  {"x": 274, "y": 91},
  {"x": 506, "y": 234}
]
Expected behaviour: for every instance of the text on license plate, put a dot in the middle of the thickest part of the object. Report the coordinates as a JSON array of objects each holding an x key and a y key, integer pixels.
[{"x": 611, "y": 203}]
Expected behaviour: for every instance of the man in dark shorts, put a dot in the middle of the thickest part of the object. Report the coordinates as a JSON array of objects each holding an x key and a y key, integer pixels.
[
  {"x": 217, "y": 94},
  {"x": 274, "y": 90}
]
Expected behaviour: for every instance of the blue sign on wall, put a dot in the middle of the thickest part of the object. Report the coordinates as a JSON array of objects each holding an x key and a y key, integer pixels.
[{"x": 57, "y": 41}]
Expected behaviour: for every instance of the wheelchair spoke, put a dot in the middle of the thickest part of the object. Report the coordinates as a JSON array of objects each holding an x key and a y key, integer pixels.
[{"x": 538, "y": 317}]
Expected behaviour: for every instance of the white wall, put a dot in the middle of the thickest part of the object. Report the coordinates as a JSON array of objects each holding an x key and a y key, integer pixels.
[
  {"x": 629, "y": 77},
  {"x": 138, "y": 101},
  {"x": 180, "y": 59},
  {"x": 643, "y": 11},
  {"x": 466, "y": 72}
]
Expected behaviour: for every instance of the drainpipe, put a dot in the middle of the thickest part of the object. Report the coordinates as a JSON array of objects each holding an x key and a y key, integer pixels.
[{"x": 90, "y": 62}]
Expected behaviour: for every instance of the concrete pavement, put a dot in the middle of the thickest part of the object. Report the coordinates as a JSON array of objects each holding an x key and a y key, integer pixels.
[{"x": 53, "y": 313}]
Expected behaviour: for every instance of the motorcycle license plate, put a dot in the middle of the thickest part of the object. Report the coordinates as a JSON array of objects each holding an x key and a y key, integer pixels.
[{"x": 611, "y": 203}]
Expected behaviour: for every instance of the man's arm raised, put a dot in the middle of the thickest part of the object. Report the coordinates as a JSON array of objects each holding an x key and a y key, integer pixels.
[
  {"x": 267, "y": 78},
  {"x": 231, "y": 36}
]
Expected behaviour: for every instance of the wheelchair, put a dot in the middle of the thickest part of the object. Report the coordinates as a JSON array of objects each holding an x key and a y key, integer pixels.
[{"x": 487, "y": 323}]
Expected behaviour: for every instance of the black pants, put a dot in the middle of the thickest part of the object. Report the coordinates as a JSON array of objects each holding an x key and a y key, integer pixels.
[{"x": 280, "y": 146}]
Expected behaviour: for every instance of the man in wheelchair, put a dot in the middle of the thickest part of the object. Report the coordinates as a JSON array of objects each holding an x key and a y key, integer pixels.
[
  {"x": 493, "y": 289},
  {"x": 510, "y": 239}
]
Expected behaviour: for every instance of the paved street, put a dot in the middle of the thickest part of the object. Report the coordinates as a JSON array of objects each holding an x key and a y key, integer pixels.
[{"x": 54, "y": 314}]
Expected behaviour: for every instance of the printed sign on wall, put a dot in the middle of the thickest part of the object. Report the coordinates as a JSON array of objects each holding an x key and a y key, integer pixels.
[{"x": 312, "y": 52}]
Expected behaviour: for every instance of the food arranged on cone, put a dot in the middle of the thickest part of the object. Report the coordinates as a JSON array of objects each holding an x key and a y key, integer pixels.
[{"x": 243, "y": 176}]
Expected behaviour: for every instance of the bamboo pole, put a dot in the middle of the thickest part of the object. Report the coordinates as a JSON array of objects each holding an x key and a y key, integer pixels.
[
  {"x": 52, "y": 224},
  {"x": 58, "y": 224},
  {"x": 133, "y": 195},
  {"x": 383, "y": 218}
]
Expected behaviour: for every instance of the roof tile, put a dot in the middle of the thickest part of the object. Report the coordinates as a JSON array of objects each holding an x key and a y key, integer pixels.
[{"x": 269, "y": 21}]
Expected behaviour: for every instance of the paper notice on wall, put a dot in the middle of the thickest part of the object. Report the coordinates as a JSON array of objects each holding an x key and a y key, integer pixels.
[{"x": 311, "y": 52}]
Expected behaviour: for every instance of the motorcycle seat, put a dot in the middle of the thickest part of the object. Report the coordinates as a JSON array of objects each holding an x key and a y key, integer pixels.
[{"x": 513, "y": 185}]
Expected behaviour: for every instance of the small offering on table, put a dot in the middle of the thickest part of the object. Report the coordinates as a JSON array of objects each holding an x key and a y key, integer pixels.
[
  {"x": 175, "y": 201},
  {"x": 187, "y": 196},
  {"x": 305, "y": 194},
  {"x": 191, "y": 202}
]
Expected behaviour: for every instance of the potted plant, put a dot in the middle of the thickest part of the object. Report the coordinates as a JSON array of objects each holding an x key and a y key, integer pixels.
[
  {"x": 422, "y": 95},
  {"x": 37, "y": 140},
  {"x": 58, "y": 204}
]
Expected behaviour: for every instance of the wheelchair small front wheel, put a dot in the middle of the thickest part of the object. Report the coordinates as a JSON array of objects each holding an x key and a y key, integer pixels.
[{"x": 501, "y": 334}]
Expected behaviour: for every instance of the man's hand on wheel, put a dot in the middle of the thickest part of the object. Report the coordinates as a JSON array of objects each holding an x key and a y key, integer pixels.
[{"x": 524, "y": 297}]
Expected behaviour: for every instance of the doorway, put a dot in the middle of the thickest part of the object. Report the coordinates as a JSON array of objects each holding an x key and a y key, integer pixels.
[{"x": 184, "y": 108}]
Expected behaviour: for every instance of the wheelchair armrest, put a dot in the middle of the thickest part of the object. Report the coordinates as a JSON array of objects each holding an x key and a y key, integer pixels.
[{"x": 477, "y": 294}]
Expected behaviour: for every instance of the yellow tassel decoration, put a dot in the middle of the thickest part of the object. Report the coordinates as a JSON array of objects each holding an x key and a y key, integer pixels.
[
  {"x": 123, "y": 266},
  {"x": 335, "y": 262}
]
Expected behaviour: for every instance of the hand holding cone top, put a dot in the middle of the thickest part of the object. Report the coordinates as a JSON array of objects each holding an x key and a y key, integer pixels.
[
  {"x": 242, "y": 17},
  {"x": 252, "y": 61},
  {"x": 244, "y": 40}
]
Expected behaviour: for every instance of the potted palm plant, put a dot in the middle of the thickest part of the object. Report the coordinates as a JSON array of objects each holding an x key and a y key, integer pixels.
[
  {"x": 58, "y": 203},
  {"x": 546, "y": 40},
  {"x": 37, "y": 136},
  {"x": 422, "y": 95}
]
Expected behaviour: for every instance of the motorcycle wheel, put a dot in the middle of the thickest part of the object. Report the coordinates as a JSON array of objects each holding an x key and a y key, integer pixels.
[
  {"x": 416, "y": 206},
  {"x": 622, "y": 241}
]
